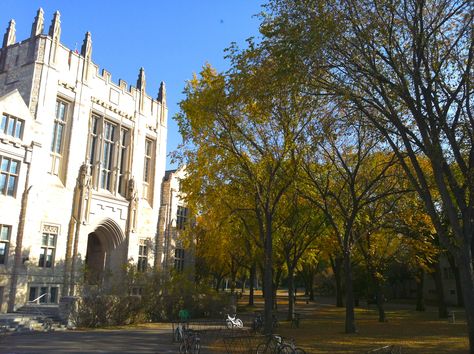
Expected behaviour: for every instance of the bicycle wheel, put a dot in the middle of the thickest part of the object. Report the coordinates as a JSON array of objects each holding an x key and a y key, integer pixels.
[
  {"x": 285, "y": 349},
  {"x": 261, "y": 348},
  {"x": 182, "y": 348},
  {"x": 299, "y": 351},
  {"x": 47, "y": 325},
  {"x": 239, "y": 323},
  {"x": 177, "y": 335},
  {"x": 196, "y": 347},
  {"x": 229, "y": 324}
]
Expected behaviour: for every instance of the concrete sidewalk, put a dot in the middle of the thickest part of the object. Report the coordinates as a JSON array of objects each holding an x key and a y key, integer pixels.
[{"x": 94, "y": 341}]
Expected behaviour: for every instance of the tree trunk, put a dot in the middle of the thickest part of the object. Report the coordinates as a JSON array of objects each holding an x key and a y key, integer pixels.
[
  {"x": 437, "y": 276},
  {"x": 251, "y": 285},
  {"x": 337, "y": 269},
  {"x": 291, "y": 295},
  {"x": 276, "y": 284},
  {"x": 218, "y": 282},
  {"x": 268, "y": 277},
  {"x": 311, "y": 289},
  {"x": 420, "y": 296},
  {"x": 350, "y": 316},
  {"x": 380, "y": 302},
  {"x": 262, "y": 280},
  {"x": 233, "y": 282},
  {"x": 457, "y": 278},
  {"x": 464, "y": 261}
]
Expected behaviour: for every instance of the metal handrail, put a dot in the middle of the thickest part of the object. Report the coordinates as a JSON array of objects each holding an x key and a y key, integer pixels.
[
  {"x": 37, "y": 299},
  {"x": 38, "y": 311}
]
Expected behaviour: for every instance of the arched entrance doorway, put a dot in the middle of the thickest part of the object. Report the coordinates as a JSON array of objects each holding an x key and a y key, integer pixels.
[
  {"x": 95, "y": 259},
  {"x": 106, "y": 251}
]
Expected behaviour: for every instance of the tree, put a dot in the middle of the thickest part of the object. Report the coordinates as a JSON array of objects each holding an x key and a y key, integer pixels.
[
  {"x": 241, "y": 129},
  {"x": 345, "y": 175},
  {"x": 421, "y": 249},
  {"x": 378, "y": 244},
  {"x": 300, "y": 228},
  {"x": 407, "y": 66},
  {"x": 309, "y": 266}
]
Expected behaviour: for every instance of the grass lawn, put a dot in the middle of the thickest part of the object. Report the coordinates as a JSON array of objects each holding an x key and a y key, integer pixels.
[{"x": 322, "y": 328}]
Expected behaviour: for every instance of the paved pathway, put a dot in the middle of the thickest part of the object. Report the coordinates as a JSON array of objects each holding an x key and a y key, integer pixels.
[{"x": 98, "y": 341}]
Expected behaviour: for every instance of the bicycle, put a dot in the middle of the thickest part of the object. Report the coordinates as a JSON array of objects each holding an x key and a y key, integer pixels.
[
  {"x": 275, "y": 322},
  {"x": 47, "y": 324},
  {"x": 274, "y": 345},
  {"x": 179, "y": 332},
  {"x": 3, "y": 331},
  {"x": 258, "y": 322},
  {"x": 296, "y": 350},
  {"x": 190, "y": 343},
  {"x": 232, "y": 322}
]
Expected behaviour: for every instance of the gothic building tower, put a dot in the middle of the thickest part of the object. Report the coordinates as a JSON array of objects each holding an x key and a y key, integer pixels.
[{"x": 81, "y": 163}]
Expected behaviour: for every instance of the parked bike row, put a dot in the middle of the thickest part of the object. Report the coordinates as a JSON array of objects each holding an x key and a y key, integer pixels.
[{"x": 188, "y": 334}]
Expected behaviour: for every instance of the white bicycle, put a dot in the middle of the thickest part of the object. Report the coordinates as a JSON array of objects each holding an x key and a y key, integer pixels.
[{"x": 233, "y": 322}]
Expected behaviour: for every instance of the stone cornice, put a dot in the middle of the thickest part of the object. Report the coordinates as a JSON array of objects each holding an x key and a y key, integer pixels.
[{"x": 110, "y": 107}]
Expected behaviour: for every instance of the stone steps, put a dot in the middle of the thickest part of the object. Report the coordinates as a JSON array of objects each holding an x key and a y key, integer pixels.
[
  {"x": 31, "y": 318},
  {"x": 51, "y": 311}
]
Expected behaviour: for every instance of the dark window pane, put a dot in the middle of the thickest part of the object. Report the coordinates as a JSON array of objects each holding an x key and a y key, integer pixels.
[
  {"x": 92, "y": 154},
  {"x": 3, "y": 123},
  {"x": 49, "y": 258},
  {"x": 5, "y": 164},
  {"x": 3, "y": 252},
  {"x": 41, "y": 258},
  {"x": 147, "y": 170},
  {"x": 33, "y": 292},
  {"x": 95, "y": 123},
  {"x": 107, "y": 154},
  {"x": 53, "y": 139},
  {"x": 3, "y": 181},
  {"x": 61, "y": 111},
  {"x": 14, "y": 167},
  {"x": 4, "y": 233},
  {"x": 103, "y": 179},
  {"x": 18, "y": 128},
  {"x": 44, "y": 291},
  {"x": 59, "y": 139},
  {"x": 147, "y": 147},
  {"x": 181, "y": 218},
  {"x": 57, "y": 109},
  {"x": 11, "y": 186},
  {"x": 124, "y": 137},
  {"x": 53, "y": 295},
  {"x": 11, "y": 125}
]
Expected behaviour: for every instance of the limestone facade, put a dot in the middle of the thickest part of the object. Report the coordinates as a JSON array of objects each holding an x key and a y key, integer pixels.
[
  {"x": 82, "y": 161},
  {"x": 175, "y": 253}
]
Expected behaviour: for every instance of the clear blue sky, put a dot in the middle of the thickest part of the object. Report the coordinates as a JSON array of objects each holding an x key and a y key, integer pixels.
[{"x": 170, "y": 39}]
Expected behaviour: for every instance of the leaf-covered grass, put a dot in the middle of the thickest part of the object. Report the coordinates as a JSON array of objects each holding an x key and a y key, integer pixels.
[{"x": 322, "y": 329}]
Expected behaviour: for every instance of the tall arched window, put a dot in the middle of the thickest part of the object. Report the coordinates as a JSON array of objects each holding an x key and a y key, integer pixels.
[
  {"x": 108, "y": 153},
  {"x": 58, "y": 140}
]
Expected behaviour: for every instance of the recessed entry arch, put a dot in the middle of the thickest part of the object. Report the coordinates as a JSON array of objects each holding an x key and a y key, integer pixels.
[
  {"x": 110, "y": 234},
  {"x": 103, "y": 250}
]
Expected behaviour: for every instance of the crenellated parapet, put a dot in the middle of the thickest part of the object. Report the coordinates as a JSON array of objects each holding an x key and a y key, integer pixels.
[{"x": 76, "y": 69}]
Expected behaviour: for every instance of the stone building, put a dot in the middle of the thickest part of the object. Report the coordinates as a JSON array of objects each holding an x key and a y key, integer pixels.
[
  {"x": 81, "y": 164},
  {"x": 174, "y": 219}
]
